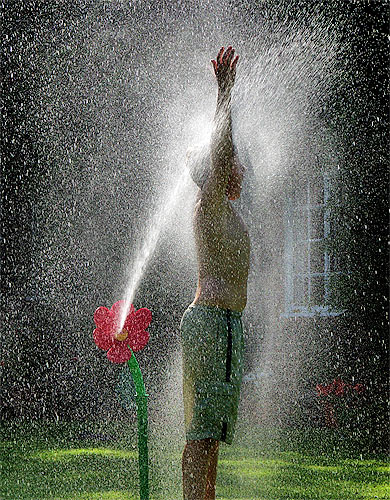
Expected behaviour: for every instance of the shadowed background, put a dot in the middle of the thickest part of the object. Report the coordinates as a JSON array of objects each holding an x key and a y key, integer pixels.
[{"x": 102, "y": 100}]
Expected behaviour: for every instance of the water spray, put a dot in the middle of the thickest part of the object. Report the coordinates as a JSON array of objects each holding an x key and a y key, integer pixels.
[{"x": 149, "y": 245}]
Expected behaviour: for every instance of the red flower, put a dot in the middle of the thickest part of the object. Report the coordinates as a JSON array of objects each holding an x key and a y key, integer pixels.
[
  {"x": 109, "y": 337},
  {"x": 359, "y": 388},
  {"x": 339, "y": 387},
  {"x": 323, "y": 390}
]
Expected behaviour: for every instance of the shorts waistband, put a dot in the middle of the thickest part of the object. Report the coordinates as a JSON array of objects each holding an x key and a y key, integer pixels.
[{"x": 216, "y": 309}]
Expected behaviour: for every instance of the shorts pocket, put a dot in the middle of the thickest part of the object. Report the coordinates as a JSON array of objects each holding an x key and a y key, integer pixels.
[{"x": 214, "y": 401}]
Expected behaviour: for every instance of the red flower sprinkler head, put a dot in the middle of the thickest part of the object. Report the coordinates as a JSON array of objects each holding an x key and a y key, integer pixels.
[
  {"x": 118, "y": 343},
  {"x": 324, "y": 390}
]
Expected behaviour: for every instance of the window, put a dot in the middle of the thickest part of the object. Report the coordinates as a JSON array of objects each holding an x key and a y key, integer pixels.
[{"x": 308, "y": 264}]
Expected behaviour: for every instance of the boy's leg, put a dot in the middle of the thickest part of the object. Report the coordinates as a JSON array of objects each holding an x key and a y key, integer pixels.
[
  {"x": 212, "y": 473},
  {"x": 195, "y": 467}
]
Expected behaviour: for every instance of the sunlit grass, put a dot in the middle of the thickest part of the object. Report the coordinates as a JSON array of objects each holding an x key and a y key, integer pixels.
[
  {"x": 64, "y": 462},
  {"x": 98, "y": 495},
  {"x": 63, "y": 454}
]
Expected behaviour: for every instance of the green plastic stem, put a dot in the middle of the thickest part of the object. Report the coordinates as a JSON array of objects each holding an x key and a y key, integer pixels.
[{"x": 142, "y": 414}]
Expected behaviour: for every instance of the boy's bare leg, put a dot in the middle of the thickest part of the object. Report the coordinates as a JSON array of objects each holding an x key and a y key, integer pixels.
[
  {"x": 195, "y": 467},
  {"x": 212, "y": 473}
]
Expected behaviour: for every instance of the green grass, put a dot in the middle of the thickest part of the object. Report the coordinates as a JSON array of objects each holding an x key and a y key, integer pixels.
[{"x": 83, "y": 462}]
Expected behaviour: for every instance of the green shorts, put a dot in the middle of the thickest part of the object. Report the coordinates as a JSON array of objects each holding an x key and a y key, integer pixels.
[{"x": 212, "y": 345}]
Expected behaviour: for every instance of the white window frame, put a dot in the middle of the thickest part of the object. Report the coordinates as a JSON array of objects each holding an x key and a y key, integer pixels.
[{"x": 309, "y": 309}]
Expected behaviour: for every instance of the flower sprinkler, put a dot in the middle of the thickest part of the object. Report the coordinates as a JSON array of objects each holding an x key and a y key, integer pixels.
[{"x": 120, "y": 345}]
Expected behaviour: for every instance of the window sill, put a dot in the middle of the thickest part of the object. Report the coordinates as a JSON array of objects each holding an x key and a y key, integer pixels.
[{"x": 307, "y": 312}]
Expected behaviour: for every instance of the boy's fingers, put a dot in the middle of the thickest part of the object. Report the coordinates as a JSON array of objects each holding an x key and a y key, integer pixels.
[
  {"x": 230, "y": 57},
  {"x": 234, "y": 63},
  {"x": 226, "y": 55},
  {"x": 219, "y": 56},
  {"x": 215, "y": 65}
]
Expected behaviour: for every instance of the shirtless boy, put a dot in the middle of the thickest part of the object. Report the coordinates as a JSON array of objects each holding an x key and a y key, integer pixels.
[{"x": 211, "y": 328}]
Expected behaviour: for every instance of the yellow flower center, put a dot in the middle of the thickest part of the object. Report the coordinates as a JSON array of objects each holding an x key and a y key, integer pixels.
[{"x": 122, "y": 335}]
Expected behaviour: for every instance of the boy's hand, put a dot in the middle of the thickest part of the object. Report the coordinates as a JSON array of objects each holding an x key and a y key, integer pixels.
[{"x": 225, "y": 69}]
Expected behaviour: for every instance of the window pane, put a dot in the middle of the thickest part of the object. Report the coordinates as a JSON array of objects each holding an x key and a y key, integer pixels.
[
  {"x": 300, "y": 291},
  {"x": 300, "y": 258},
  {"x": 299, "y": 225},
  {"x": 317, "y": 291},
  {"x": 317, "y": 223},
  {"x": 317, "y": 257},
  {"x": 317, "y": 191}
]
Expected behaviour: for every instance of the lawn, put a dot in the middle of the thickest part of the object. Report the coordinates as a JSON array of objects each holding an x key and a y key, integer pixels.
[{"x": 64, "y": 461}]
